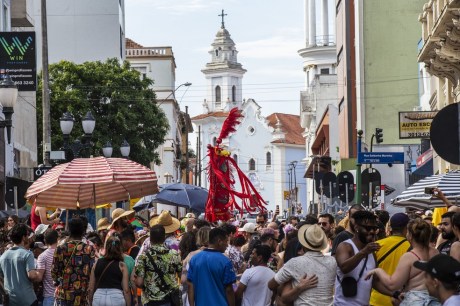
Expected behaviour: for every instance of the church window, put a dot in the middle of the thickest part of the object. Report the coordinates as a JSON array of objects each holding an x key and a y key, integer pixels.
[
  {"x": 235, "y": 157},
  {"x": 268, "y": 160},
  {"x": 233, "y": 93},
  {"x": 324, "y": 71},
  {"x": 217, "y": 52},
  {"x": 252, "y": 164},
  {"x": 218, "y": 94}
]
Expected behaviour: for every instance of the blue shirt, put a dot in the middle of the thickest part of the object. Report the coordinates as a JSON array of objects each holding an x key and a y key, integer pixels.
[
  {"x": 210, "y": 271},
  {"x": 14, "y": 265}
]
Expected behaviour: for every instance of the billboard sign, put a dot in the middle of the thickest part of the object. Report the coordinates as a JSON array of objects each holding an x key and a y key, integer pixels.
[
  {"x": 18, "y": 58},
  {"x": 415, "y": 124}
]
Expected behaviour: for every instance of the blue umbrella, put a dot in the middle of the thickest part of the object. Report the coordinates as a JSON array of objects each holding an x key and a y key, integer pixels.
[
  {"x": 144, "y": 203},
  {"x": 183, "y": 195}
]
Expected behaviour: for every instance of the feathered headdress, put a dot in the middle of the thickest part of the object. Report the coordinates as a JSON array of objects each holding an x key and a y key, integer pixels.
[{"x": 221, "y": 197}]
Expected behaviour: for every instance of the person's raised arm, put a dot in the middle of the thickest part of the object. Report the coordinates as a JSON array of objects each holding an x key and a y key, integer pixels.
[
  {"x": 43, "y": 218},
  {"x": 440, "y": 195}
]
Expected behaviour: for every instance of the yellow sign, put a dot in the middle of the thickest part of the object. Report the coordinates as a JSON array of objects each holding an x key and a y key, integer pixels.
[
  {"x": 415, "y": 124},
  {"x": 287, "y": 195}
]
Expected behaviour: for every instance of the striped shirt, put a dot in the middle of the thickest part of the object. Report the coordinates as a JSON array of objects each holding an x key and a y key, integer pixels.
[{"x": 44, "y": 262}]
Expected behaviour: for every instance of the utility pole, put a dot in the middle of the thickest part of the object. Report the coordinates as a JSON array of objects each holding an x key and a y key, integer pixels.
[
  {"x": 199, "y": 155},
  {"x": 358, "y": 169},
  {"x": 186, "y": 149},
  {"x": 45, "y": 88},
  {"x": 196, "y": 160}
]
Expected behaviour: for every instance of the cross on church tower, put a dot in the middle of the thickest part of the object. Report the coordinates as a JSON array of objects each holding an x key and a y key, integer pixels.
[{"x": 222, "y": 15}]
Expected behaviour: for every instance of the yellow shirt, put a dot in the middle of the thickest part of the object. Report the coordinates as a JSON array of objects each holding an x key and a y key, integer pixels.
[
  {"x": 438, "y": 212},
  {"x": 388, "y": 265}
]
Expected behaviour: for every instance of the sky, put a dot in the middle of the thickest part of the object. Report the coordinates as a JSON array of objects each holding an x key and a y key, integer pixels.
[{"x": 267, "y": 34}]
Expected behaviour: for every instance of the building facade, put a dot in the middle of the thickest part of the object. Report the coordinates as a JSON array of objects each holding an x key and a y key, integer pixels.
[
  {"x": 439, "y": 56},
  {"x": 158, "y": 64},
  {"x": 318, "y": 110}
]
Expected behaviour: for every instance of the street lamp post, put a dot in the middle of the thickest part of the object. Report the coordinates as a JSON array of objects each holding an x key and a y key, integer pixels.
[
  {"x": 8, "y": 97},
  {"x": 66, "y": 122},
  {"x": 125, "y": 148},
  {"x": 186, "y": 84}
]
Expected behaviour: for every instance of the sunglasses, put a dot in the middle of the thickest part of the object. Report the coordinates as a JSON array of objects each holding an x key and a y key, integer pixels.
[
  {"x": 323, "y": 223},
  {"x": 369, "y": 227}
]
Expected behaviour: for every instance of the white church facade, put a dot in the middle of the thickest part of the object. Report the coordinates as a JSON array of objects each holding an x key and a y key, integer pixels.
[{"x": 268, "y": 149}]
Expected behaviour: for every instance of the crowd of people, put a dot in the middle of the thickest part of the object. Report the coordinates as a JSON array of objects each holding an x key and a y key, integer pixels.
[{"x": 368, "y": 258}]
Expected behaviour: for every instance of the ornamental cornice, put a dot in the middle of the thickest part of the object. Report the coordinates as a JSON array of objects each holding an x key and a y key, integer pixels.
[{"x": 448, "y": 50}]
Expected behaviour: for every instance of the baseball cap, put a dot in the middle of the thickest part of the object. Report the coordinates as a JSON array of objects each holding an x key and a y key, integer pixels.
[
  {"x": 442, "y": 267},
  {"x": 399, "y": 220},
  {"x": 248, "y": 228}
]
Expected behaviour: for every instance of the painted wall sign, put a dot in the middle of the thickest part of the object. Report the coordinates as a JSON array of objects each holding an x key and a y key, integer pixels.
[{"x": 415, "y": 124}]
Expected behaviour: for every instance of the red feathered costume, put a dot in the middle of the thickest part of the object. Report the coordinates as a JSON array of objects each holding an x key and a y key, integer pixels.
[{"x": 221, "y": 198}]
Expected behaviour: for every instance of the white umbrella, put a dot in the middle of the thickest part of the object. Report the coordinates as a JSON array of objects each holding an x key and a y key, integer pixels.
[{"x": 415, "y": 196}]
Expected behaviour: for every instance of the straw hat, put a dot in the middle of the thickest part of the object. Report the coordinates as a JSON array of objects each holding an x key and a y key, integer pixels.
[
  {"x": 120, "y": 213},
  {"x": 103, "y": 224},
  {"x": 170, "y": 223},
  {"x": 312, "y": 237}
]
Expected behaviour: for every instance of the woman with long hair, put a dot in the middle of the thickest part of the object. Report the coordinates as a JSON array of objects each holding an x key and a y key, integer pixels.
[
  {"x": 406, "y": 275},
  {"x": 109, "y": 277}
]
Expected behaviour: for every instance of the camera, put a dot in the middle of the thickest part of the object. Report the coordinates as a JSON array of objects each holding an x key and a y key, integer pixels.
[{"x": 429, "y": 190}]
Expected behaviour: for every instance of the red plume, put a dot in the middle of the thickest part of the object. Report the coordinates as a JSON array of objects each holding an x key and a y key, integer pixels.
[{"x": 230, "y": 123}]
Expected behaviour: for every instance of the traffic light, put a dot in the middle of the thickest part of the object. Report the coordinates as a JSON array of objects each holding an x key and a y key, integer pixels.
[{"x": 379, "y": 135}]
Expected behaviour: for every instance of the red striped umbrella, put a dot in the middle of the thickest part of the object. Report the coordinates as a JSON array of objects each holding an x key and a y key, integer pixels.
[{"x": 92, "y": 181}]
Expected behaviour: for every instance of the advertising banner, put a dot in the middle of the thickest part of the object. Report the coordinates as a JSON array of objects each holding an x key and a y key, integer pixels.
[
  {"x": 415, "y": 124},
  {"x": 18, "y": 58}
]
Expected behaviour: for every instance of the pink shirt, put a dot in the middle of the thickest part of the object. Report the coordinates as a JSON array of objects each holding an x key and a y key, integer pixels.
[{"x": 44, "y": 262}]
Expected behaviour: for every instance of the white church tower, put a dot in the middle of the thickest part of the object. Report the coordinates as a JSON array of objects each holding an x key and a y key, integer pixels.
[{"x": 223, "y": 74}]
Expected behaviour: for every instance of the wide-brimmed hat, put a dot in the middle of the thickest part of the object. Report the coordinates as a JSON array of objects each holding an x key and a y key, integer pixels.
[
  {"x": 165, "y": 219},
  {"x": 103, "y": 224},
  {"x": 312, "y": 237},
  {"x": 118, "y": 213}
]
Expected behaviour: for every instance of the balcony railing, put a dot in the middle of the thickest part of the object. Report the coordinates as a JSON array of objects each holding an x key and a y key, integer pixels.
[
  {"x": 155, "y": 51},
  {"x": 322, "y": 40}
]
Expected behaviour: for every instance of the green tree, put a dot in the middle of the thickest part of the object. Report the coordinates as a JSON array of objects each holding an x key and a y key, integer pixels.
[{"x": 121, "y": 102}]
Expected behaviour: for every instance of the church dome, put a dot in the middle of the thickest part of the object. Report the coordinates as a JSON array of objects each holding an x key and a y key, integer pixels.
[{"x": 223, "y": 38}]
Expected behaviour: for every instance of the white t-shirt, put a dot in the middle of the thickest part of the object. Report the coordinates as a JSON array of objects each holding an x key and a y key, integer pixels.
[
  {"x": 454, "y": 300},
  {"x": 311, "y": 263},
  {"x": 257, "y": 292}
]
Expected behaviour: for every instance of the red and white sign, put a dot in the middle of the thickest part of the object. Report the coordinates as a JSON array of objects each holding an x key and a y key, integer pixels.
[{"x": 424, "y": 158}]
